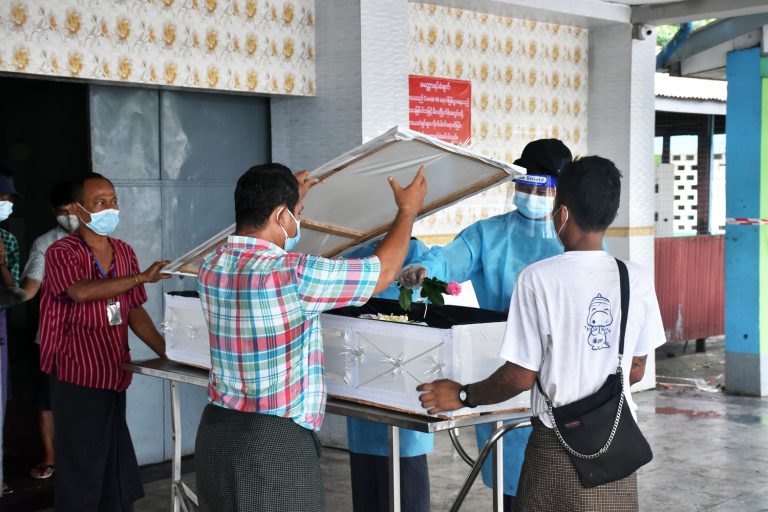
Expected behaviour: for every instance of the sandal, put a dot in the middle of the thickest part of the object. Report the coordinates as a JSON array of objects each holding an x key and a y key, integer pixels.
[
  {"x": 6, "y": 489},
  {"x": 42, "y": 471}
]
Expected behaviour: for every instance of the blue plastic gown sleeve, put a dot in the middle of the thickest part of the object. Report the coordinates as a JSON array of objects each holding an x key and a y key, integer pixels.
[{"x": 458, "y": 260}]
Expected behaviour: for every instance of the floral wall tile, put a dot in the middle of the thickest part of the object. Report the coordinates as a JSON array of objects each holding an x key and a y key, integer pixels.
[
  {"x": 260, "y": 46},
  {"x": 529, "y": 81}
]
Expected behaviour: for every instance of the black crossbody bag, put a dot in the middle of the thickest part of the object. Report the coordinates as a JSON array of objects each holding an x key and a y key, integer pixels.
[{"x": 598, "y": 432}]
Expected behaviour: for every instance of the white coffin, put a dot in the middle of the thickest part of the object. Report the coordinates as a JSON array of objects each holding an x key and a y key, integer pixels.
[
  {"x": 374, "y": 361},
  {"x": 370, "y": 360},
  {"x": 382, "y": 362}
]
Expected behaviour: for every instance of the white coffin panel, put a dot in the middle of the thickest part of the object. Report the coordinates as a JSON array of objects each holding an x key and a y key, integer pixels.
[
  {"x": 354, "y": 202},
  {"x": 370, "y": 360},
  {"x": 186, "y": 333}
]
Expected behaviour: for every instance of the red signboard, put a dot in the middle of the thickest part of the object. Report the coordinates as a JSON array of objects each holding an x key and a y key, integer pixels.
[{"x": 441, "y": 107}]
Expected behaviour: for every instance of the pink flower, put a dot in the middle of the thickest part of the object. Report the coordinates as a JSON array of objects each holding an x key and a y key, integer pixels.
[{"x": 453, "y": 288}]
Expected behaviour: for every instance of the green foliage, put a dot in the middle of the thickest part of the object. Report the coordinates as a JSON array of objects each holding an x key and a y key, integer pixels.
[
  {"x": 665, "y": 33},
  {"x": 406, "y": 298},
  {"x": 432, "y": 289}
]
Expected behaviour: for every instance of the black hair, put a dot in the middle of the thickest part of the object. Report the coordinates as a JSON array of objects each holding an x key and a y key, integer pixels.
[
  {"x": 591, "y": 188},
  {"x": 79, "y": 184},
  {"x": 62, "y": 194},
  {"x": 262, "y": 189},
  {"x": 5, "y": 171}
]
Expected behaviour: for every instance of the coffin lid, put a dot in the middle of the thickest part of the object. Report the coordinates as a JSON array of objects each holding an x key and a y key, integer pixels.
[{"x": 354, "y": 204}]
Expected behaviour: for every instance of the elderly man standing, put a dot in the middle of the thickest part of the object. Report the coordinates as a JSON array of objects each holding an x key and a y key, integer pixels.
[
  {"x": 256, "y": 445},
  {"x": 92, "y": 292}
]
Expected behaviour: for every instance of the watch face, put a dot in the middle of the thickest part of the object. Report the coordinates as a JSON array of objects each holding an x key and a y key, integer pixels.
[{"x": 463, "y": 395}]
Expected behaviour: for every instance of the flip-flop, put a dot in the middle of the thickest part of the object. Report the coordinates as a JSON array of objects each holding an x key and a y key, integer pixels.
[
  {"x": 42, "y": 471},
  {"x": 7, "y": 490}
]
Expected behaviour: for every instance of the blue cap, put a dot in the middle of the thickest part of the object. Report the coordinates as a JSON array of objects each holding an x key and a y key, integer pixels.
[
  {"x": 537, "y": 180},
  {"x": 7, "y": 187}
]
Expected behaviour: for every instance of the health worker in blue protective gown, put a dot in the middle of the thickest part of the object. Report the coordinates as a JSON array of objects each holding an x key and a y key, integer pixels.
[
  {"x": 369, "y": 441},
  {"x": 491, "y": 253}
]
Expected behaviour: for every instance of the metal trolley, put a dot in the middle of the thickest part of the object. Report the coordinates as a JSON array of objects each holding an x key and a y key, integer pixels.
[{"x": 183, "y": 498}]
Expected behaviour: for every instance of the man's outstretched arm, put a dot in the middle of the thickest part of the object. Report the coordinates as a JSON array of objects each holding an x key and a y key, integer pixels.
[{"x": 508, "y": 381}]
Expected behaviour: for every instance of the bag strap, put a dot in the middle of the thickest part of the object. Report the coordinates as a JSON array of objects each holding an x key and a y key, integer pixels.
[{"x": 624, "y": 285}]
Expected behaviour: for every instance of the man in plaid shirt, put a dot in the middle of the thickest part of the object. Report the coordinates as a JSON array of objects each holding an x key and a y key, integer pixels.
[{"x": 256, "y": 445}]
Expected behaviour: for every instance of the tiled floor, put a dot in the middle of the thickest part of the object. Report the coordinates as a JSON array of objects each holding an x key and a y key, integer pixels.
[{"x": 711, "y": 453}]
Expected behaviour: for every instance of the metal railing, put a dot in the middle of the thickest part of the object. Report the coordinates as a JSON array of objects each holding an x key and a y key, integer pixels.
[{"x": 478, "y": 464}]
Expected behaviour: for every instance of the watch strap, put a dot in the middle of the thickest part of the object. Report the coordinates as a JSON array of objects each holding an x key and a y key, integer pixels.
[{"x": 466, "y": 402}]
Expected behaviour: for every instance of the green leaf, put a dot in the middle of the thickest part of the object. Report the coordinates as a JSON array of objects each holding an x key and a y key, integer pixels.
[
  {"x": 437, "y": 299},
  {"x": 433, "y": 289},
  {"x": 433, "y": 282},
  {"x": 406, "y": 298}
]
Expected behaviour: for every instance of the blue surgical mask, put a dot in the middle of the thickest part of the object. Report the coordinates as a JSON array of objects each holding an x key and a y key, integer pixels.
[
  {"x": 290, "y": 242},
  {"x": 104, "y": 222},
  {"x": 534, "y": 206},
  {"x": 6, "y": 208}
]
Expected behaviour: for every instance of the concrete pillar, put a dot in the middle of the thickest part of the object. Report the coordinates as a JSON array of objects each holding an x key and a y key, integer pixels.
[
  {"x": 362, "y": 91},
  {"x": 746, "y": 245},
  {"x": 621, "y": 128},
  {"x": 362, "y": 83}
]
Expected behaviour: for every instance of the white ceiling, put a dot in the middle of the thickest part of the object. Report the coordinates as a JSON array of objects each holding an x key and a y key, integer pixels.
[
  {"x": 641, "y": 2},
  {"x": 593, "y": 13}
]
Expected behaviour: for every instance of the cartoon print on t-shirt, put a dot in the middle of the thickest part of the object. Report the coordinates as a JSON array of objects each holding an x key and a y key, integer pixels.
[{"x": 599, "y": 319}]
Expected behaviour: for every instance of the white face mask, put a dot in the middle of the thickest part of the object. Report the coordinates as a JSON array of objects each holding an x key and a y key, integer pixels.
[
  {"x": 6, "y": 208},
  {"x": 70, "y": 223}
]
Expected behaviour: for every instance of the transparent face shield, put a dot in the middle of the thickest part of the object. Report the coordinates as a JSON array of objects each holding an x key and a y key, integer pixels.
[{"x": 534, "y": 200}]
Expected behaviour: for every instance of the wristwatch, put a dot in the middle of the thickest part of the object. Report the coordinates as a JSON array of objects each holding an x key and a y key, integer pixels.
[{"x": 464, "y": 396}]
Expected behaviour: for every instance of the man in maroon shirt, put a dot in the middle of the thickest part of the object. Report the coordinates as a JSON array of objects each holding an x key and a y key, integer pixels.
[{"x": 92, "y": 292}]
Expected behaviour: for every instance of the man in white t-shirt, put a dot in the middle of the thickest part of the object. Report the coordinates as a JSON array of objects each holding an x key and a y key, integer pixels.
[
  {"x": 563, "y": 327},
  {"x": 63, "y": 207}
]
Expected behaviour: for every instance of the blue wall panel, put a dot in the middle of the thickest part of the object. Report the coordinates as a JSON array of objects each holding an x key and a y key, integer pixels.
[
  {"x": 742, "y": 249},
  {"x": 174, "y": 158},
  {"x": 742, "y": 287},
  {"x": 743, "y": 134},
  {"x": 194, "y": 212},
  {"x": 124, "y": 132},
  {"x": 212, "y": 136}
]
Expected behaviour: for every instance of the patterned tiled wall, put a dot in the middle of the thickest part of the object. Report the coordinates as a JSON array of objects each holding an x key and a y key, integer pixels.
[
  {"x": 529, "y": 81},
  {"x": 264, "y": 46}
]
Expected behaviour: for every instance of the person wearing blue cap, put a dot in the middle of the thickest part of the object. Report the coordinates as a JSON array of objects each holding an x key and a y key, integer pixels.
[
  {"x": 9, "y": 278},
  {"x": 491, "y": 253},
  {"x": 369, "y": 445}
]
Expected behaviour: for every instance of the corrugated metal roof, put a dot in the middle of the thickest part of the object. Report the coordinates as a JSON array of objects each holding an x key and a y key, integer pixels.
[{"x": 690, "y": 88}]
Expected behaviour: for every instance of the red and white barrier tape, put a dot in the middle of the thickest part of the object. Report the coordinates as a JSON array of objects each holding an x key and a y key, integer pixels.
[{"x": 743, "y": 221}]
